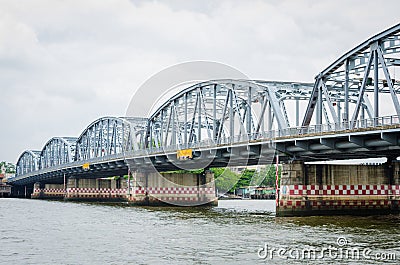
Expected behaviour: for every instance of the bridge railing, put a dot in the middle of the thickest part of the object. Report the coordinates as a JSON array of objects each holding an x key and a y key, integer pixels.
[
  {"x": 69, "y": 165},
  {"x": 364, "y": 124},
  {"x": 273, "y": 134},
  {"x": 332, "y": 127}
]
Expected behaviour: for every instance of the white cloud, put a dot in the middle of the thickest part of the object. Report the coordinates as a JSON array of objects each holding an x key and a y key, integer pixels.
[{"x": 66, "y": 63}]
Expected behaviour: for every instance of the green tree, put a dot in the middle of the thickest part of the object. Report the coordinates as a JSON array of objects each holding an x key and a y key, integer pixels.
[
  {"x": 269, "y": 175},
  {"x": 10, "y": 168},
  {"x": 225, "y": 179},
  {"x": 245, "y": 178}
]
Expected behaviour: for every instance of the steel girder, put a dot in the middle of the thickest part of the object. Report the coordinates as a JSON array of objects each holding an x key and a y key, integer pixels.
[
  {"x": 366, "y": 71},
  {"x": 221, "y": 110},
  {"x": 28, "y": 162},
  {"x": 58, "y": 151},
  {"x": 110, "y": 136}
]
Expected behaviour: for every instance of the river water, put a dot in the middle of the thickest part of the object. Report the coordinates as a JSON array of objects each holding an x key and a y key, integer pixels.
[{"x": 235, "y": 232}]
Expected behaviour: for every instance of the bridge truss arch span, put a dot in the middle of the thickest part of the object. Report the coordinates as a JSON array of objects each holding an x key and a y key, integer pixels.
[
  {"x": 361, "y": 86},
  {"x": 220, "y": 110},
  {"x": 58, "y": 151},
  {"x": 110, "y": 136},
  {"x": 27, "y": 162}
]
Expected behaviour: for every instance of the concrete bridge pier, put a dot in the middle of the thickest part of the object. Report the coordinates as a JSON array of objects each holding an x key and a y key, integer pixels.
[
  {"x": 180, "y": 189},
  {"x": 392, "y": 168},
  {"x": 320, "y": 189},
  {"x": 96, "y": 189},
  {"x": 48, "y": 191},
  {"x": 37, "y": 191}
]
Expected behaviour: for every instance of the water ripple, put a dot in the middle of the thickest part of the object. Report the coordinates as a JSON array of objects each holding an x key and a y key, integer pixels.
[{"x": 54, "y": 232}]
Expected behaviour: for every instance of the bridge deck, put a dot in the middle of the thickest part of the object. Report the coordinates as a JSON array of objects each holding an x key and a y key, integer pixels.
[{"x": 380, "y": 141}]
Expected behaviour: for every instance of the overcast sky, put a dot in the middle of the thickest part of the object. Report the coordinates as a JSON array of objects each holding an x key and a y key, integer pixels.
[{"x": 63, "y": 64}]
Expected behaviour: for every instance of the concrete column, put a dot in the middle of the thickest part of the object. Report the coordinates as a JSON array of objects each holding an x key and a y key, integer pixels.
[
  {"x": 181, "y": 189},
  {"x": 37, "y": 185},
  {"x": 118, "y": 182},
  {"x": 139, "y": 193},
  {"x": 316, "y": 189},
  {"x": 37, "y": 191},
  {"x": 293, "y": 173},
  {"x": 94, "y": 190},
  {"x": 113, "y": 184},
  {"x": 389, "y": 171},
  {"x": 396, "y": 172},
  {"x": 72, "y": 183},
  {"x": 53, "y": 191}
]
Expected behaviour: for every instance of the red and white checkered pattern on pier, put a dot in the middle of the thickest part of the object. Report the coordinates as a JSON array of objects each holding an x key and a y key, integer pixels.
[
  {"x": 94, "y": 190},
  {"x": 338, "y": 196},
  {"x": 53, "y": 190},
  {"x": 174, "y": 190},
  {"x": 93, "y": 193},
  {"x": 172, "y": 199},
  {"x": 336, "y": 204},
  {"x": 339, "y": 190},
  {"x": 46, "y": 193}
]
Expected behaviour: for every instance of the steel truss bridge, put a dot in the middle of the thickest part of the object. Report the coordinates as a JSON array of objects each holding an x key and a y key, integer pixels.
[{"x": 351, "y": 111}]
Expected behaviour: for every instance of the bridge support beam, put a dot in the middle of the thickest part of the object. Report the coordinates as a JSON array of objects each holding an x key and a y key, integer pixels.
[
  {"x": 180, "y": 189},
  {"x": 321, "y": 189}
]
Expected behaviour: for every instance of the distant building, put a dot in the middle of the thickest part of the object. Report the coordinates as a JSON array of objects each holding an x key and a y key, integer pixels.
[
  {"x": 254, "y": 192},
  {"x": 245, "y": 192},
  {"x": 5, "y": 190}
]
